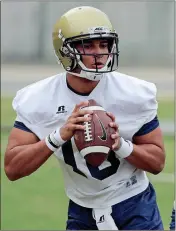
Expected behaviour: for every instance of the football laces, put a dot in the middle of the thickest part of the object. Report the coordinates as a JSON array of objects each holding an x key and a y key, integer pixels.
[{"x": 87, "y": 131}]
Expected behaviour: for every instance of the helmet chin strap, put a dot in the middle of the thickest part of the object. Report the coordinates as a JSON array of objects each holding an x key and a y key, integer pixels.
[{"x": 88, "y": 75}]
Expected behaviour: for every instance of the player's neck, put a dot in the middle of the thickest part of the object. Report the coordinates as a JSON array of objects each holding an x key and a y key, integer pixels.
[{"x": 81, "y": 85}]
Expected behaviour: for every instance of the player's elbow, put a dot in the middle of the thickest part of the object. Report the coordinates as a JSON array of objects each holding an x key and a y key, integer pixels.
[
  {"x": 159, "y": 167},
  {"x": 10, "y": 174},
  {"x": 157, "y": 170},
  {"x": 159, "y": 163}
]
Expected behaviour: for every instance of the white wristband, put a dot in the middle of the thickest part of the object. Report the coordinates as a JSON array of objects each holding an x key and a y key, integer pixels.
[
  {"x": 125, "y": 149},
  {"x": 49, "y": 145},
  {"x": 54, "y": 140}
]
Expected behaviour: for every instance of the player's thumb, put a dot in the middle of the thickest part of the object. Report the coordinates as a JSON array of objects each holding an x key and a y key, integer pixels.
[{"x": 81, "y": 105}]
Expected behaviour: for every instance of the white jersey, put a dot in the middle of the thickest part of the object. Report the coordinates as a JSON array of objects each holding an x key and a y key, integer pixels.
[{"x": 46, "y": 105}]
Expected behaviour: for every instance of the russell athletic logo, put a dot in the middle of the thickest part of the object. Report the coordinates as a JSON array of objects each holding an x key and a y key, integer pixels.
[{"x": 61, "y": 109}]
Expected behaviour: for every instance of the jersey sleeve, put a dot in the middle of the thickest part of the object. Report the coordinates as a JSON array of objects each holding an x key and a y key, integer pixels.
[
  {"x": 149, "y": 104},
  {"x": 21, "y": 126},
  {"x": 18, "y": 105},
  {"x": 23, "y": 104},
  {"x": 148, "y": 127},
  {"x": 35, "y": 106},
  {"x": 148, "y": 110}
]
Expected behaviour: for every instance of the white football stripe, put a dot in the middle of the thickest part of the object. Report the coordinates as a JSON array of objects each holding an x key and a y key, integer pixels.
[
  {"x": 93, "y": 108},
  {"x": 88, "y": 150}
]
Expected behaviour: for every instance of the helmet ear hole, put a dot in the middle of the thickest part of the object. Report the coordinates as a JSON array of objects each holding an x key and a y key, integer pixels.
[{"x": 62, "y": 53}]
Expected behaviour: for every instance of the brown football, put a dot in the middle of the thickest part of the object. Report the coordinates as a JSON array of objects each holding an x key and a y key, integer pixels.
[{"x": 95, "y": 142}]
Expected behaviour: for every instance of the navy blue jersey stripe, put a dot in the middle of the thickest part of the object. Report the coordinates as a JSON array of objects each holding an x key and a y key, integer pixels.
[
  {"x": 21, "y": 126},
  {"x": 148, "y": 127}
]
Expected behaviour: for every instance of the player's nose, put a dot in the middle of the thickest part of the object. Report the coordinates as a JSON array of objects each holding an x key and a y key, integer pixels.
[{"x": 97, "y": 50}]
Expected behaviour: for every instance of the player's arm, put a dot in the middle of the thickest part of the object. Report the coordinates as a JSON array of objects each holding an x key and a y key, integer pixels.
[
  {"x": 147, "y": 150},
  {"x": 25, "y": 153}
]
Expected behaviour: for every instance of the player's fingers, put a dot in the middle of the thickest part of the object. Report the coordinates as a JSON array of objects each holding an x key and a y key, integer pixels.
[
  {"x": 81, "y": 104},
  {"x": 113, "y": 125},
  {"x": 111, "y": 116},
  {"x": 74, "y": 127},
  {"x": 79, "y": 120},
  {"x": 116, "y": 145},
  {"x": 82, "y": 113},
  {"x": 115, "y": 136}
]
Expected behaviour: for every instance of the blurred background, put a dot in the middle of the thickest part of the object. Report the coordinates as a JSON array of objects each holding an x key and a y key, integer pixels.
[{"x": 146, "y": 32}]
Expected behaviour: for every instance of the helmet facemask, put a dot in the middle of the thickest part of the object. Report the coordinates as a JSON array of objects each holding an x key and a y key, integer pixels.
[{"x": 77, "y": 67}]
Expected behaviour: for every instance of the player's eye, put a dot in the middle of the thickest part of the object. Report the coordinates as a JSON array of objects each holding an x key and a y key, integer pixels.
[
  {"x": 104, "y": 45},
  {"x": 88, "y": 46}
]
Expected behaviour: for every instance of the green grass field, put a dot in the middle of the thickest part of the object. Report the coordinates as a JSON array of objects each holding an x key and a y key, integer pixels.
[{"x": 38, "y": 202}]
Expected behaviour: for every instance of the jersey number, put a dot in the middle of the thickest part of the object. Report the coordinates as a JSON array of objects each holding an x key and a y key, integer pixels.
[{"x": 94, "y": 171}]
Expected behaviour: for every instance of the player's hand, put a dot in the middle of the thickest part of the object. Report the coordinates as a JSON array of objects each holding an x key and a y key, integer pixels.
[
  {"x": 72, "y": 123},
  {"x": 116, "y": 135}
]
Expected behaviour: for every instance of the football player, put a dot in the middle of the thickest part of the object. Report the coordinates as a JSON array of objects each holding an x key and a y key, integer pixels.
[
  {"x": 117, "y": 194},
  {"x": 172, "y": 223}
]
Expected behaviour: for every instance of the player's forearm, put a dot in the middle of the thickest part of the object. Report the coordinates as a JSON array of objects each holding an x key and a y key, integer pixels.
[
  {"x": 24, "y": 160},
  {"x": 147, "y": 157}
]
